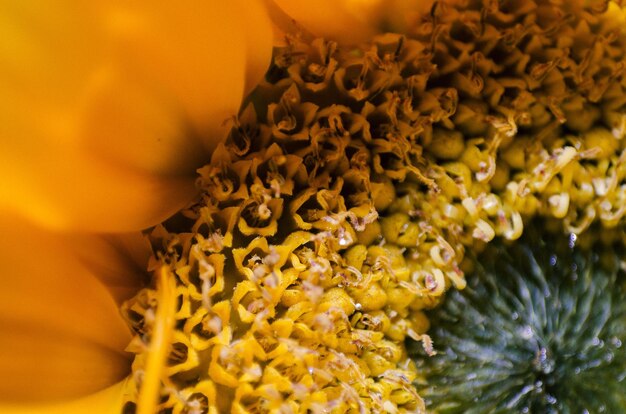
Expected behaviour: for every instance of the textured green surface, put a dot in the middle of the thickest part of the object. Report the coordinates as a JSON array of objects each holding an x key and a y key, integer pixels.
[{"x": 541, "y": 328}]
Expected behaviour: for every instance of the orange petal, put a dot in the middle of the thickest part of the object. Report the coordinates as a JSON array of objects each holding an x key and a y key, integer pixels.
[
  {"x": 199, "y": 54},
  {"x": 107, "y": 108},
  {"x": 259, "y": 40},
  {"x": 346, "y": 21},
  {"x": 68, "y": 189},
  {"x": 107, "y": 401},
  {"x": 119, "y": 261},
  {"x": 61, "y": 334}
]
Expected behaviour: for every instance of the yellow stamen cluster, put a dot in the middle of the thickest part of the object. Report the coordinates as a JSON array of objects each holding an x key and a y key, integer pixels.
[{"x": 351, "y": 185}]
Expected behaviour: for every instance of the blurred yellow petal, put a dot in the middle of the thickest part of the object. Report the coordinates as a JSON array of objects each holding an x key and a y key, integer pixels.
[
  {"x": 347, "y": 21},
  {"x": 74, "y": 190},
  {"x": 61, "y": 334},
  {"x": 107, "y": 401},
  {"x": 259, "y": 40},
  {"x": 107, "y": 108},
  {"x": 119, "y": 261}
]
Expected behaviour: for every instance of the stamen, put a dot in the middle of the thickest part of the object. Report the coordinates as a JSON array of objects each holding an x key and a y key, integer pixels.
[{"x": 159, "y": 343}]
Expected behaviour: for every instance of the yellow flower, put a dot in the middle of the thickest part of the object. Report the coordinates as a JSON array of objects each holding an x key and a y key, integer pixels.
[{"x": 107, "y": 109}]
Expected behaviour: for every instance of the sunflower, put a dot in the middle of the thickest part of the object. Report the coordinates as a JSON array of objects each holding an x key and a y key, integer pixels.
[{"x": 326, "y": 216}]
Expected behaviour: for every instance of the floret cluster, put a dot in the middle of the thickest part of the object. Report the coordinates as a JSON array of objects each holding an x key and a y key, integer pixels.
[{"x": 350, "y": 187}]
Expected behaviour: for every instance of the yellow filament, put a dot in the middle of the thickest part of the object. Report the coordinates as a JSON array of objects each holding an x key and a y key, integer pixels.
[{"x": 160, "y": 343}]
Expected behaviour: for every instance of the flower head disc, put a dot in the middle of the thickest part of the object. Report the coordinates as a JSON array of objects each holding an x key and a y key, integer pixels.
[{"x": 350, "y": 188}]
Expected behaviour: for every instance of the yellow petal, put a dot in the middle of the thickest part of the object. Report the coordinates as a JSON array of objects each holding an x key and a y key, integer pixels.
[
  {"x": 68, "y": 189},
  {"x": 107, "y": 108},
  {"x": 107, "y": 401},
  {"x": 61, "y": 334},
  {"x": 345, "y": 21},
  {"x": 259, "y": 40},
  {"x": 119, "y": 261}
]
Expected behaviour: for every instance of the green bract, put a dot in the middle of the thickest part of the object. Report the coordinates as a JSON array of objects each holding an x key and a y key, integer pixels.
[{"x": 539, "y": 329}]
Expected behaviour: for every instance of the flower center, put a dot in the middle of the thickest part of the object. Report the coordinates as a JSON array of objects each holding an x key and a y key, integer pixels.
[
  {"x": 345, "y": 198},
  {"x": 539, "y": 327}
]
